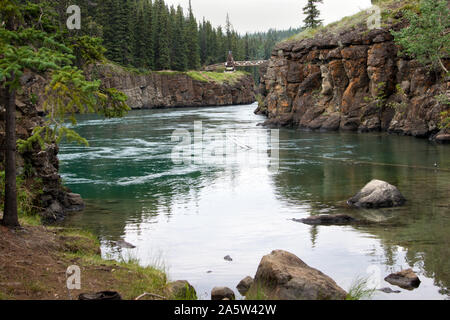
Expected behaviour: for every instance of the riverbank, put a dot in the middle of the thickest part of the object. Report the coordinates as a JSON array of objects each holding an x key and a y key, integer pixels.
[{"x": 34, "y": 260}]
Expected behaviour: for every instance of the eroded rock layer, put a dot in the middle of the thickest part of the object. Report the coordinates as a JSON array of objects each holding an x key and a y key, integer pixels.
[{"x": 354, "y": 80}]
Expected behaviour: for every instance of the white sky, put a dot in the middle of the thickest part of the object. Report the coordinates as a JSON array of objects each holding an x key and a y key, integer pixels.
[{"x": 261, "y": 15}]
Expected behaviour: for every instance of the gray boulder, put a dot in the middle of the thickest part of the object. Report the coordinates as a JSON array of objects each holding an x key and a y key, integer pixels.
[
  {"x": 283, "y": 276},
  {"x": 378, "y": 194}
]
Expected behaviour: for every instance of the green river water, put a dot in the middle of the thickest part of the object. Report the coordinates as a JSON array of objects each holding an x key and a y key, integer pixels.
[{"x": 186, "y": 217}]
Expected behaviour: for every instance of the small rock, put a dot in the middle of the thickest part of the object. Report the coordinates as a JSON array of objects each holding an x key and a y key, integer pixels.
[
  {"x": 228, "y": 258},
  {"x": 244, "y": 286},
  {"x": 378, "y": 194},
  {"x": 104, "y": 295},
  {"x": 125, "y": 245},
  {"x": 406, "y": 279},
  {"x": 221, "y": 293},
  {"x": 334, "y": 219},
  {"x": 389, "y": 290},
  {"x": 181, "y": 289}
]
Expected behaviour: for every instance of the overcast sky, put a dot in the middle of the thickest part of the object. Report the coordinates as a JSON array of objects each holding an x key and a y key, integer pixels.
[{"x": 261, "y": 15}]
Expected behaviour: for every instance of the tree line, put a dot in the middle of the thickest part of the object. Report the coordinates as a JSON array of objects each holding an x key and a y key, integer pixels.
[{"x": 149, "y": 34}]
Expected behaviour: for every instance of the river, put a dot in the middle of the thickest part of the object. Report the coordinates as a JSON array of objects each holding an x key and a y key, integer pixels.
[{"x": 186, "y": 214}]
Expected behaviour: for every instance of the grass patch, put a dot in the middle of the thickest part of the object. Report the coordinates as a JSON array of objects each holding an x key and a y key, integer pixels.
[
  {"x": 217, "y": 77},
  {"x": 389, "y": 10},
  {"x": 359, "y": 290}
]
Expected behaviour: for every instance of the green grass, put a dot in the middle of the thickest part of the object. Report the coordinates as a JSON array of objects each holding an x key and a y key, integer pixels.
[
  {"x": 218, "y": 77},
  {"x": 359, "y": 290},
  {"x": 389, "y": 9}
]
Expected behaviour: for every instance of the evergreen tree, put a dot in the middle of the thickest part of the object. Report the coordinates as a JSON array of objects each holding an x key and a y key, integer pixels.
[
  {"x": 312, "y": 14},
  {"x": 179, "y": 48},
  {"x": 192, "y": 43}
]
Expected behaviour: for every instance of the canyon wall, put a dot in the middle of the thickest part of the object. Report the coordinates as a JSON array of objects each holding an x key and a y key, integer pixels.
[
  {"x": 175, "y": 89},
  {"x": 354, "y": 80}
]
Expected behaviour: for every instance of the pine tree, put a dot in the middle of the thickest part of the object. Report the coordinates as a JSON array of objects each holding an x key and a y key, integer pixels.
[
  {"x": 179, "y": 48},
  {"x": 312, "y": 14},
  {"x": 192, "y": 43}
]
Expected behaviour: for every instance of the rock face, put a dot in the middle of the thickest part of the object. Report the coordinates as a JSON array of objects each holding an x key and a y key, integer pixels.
[
  {"x": 353, "y": 80},
  {"x": 221, "y": 293},
  {"x": 378, "y": 194},
  {"x": 40, "y": 166},
  {"x": 333, "y": 219},
  {"x": 283, "y": 276},
  {"x": 405, "y": 279},
  {"x": 173, "y": 89}
]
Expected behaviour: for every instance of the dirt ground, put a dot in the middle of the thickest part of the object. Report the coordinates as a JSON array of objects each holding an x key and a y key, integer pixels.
[{"x": 34, "y": 260}]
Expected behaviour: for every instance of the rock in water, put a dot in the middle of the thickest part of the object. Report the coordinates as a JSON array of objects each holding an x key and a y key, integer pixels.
[
  {"x": 228, "y": 258},
  {"x": 405, "y": 279},
  {"x": 378, "y": 194},
  {"x": 333, "y": 219},
  {"x": 389, "y": 290},
  {"x": 222, "y": 293},
  {"x": 283, "y": 276},
  {"x": 245, "y": 285},
  {"x": 125, "y": 245}
]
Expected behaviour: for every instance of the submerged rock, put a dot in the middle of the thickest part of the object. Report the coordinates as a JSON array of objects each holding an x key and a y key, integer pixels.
[
  {"x": 406, "y": 279},
  {"x": 222, "y": 293},
  {"x": 389, "y": 290},
  {"x": 378, "y": 194},
  {"x": 283, "y": 276},
  {"x": 244, "y": 286},
  {"x": 125, "y": 245},
  {"x": 333, "y": 219}
]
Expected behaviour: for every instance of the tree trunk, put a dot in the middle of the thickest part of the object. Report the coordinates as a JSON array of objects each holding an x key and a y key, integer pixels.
[{"x": 10, "y": 217}]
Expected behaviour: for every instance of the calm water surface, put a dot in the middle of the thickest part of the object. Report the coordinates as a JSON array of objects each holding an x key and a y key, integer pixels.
[{"x": 186, "y": 217}]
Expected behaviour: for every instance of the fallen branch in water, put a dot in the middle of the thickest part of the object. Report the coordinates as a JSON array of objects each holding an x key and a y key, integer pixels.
[{"x": 150, "y": 295}]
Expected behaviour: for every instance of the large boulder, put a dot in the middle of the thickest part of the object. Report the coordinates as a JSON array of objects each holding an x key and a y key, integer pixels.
[
  {"x": 283, "y": 276},
  {"x": 378, "y": 194}
]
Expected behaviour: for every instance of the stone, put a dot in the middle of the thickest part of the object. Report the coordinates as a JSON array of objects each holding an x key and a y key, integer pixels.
[
  {"x": 283, "y": 276},
  {"x": 332, "y": 219},
  {"x": 406, "y": 279},
  {"x": 222, "y": 293},
  {"x": 228, "y": 258},
  {"x": 443, "y": 138},
  {"x": 180, "y": 289},
  {"x": 378, "y": 194},
  {"x": 389, "y": 290},
  {"x": 244, "y": 286}
]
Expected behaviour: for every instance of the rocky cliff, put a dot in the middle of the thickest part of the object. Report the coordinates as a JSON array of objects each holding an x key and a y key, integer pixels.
[
  {"x": 354, "y": 80},
  {"x": 177, "y": 89}
]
